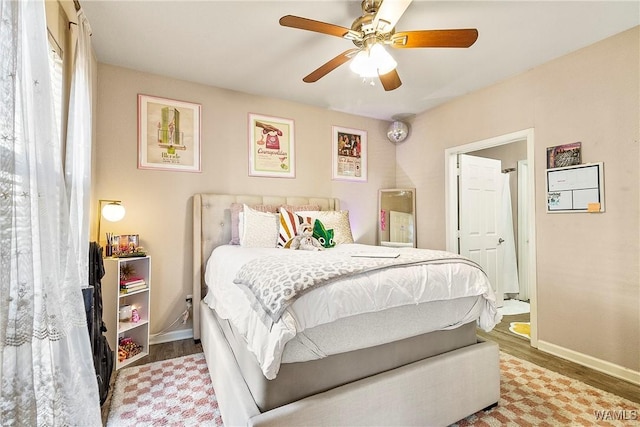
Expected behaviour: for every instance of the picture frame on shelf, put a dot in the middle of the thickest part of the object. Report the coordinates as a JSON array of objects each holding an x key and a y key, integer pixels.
[
  {"x": 349, "y": 154},
  {"x": 271, "y": 146},
  {"x": 168, "y": 134},
  {"x": 127, "y": 245}
]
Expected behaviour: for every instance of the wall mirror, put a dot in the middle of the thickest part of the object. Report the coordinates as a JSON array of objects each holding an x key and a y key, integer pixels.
[{"x": 397, "y": 217}]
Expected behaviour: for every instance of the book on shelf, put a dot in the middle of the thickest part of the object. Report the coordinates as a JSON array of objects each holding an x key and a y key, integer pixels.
[
  {"x": 133, "y": 281},
  {"x": 137, "y": 285},
  {"x": 134, "y": 285},
  {"x": 125, "y": 290},
  {"x": 132, "y": 278}
]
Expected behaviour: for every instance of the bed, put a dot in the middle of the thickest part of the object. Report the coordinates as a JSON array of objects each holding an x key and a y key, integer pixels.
[{"x": 394, "y": 374}]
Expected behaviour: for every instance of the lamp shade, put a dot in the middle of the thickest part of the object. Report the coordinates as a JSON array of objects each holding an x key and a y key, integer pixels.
[
  {"x": 383, "y": 59},
  {"x": 372, "y": 62},
  {"x": 113, "y": 212}
]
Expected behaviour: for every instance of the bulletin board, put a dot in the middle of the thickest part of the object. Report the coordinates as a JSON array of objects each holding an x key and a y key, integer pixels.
[{"x": 578, "y": 188}]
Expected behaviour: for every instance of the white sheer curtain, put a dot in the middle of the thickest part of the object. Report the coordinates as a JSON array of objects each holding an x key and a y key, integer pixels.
[
  {"x": 78, "y": 148},
  {"x": 46, "y": 369}
]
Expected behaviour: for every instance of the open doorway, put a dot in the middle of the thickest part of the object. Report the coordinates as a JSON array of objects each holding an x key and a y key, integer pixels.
[
  {"x": 513, "y": 228},
  {"x": 526, "y": 214}
]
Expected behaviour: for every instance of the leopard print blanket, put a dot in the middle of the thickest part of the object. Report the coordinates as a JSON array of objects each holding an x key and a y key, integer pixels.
[{"x": 276, "y": 281}]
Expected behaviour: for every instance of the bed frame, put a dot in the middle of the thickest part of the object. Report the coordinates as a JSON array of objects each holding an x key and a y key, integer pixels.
[{"x": 439, "y": 390}]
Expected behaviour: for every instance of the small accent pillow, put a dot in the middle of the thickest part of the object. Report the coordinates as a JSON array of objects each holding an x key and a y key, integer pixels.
[
  {"x": 324, "y": 236},
  {"x": 292, "y": 208},
  {"x": 235, "y": 209},
  {"x": 259, "y": 229},
  {"x": 337, "y": 220},
  {"x": 289, "y": 227}
]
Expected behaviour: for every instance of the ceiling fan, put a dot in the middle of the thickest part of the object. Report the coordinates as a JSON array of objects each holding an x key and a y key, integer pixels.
[{"x": 370, "y": 32}]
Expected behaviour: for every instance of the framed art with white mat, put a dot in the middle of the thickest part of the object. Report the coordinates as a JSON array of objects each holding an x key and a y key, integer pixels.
[
  {"x": 168, "y": 134},
  {"x": 271, "y": 147},
  {"x": 349, "y": 154}
]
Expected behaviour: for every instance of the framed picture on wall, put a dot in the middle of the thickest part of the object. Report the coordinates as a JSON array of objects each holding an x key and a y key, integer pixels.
[
  {"x": 168, "y": 134},
  {"x": 271, "y": 147},
  {"x": 564, "y": 155},
  {"x": 349, "y": 159}
]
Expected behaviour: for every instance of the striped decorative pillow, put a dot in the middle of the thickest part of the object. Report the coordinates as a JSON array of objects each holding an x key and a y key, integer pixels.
[
  {"x": 296, "y": 208},
  {"x": 289, "y": 226}
]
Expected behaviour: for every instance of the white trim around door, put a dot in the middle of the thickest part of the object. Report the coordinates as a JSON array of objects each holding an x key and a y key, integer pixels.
[{"x": 451, "y": 205}]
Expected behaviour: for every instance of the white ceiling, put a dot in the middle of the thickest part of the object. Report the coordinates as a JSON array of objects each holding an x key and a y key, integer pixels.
[{"x": 239, "y": 45}]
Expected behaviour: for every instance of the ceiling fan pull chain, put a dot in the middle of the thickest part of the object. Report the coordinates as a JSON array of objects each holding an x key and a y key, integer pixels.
[{"x": 369, "y": 80}]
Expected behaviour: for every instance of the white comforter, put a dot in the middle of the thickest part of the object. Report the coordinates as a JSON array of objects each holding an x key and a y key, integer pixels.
[{"x": 368, "y": 292}]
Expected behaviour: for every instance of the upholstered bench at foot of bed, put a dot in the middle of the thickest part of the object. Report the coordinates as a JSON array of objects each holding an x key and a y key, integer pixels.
[{"x": 439, "y": 390}]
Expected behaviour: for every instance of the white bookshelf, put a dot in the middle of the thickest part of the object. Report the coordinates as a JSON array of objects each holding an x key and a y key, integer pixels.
[{"x": 113, "y": 299}]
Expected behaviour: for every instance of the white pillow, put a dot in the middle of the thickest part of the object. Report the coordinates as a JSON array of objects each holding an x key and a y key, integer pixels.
[
  {"x": 259, "y": 229},
  {"x": 336, "y": 220}
]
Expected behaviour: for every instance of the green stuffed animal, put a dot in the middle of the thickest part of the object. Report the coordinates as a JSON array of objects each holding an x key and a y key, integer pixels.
[{"x": 324, "y": 236}]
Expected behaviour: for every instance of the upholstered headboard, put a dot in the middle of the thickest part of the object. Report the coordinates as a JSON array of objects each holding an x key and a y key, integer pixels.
[{"x": 212, "y": 228}]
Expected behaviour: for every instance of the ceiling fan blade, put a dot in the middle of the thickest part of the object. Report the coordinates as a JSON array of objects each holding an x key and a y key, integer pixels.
[
  {"x": 389, "y": 13},
  {"x": 311, "y": 25},
  {"x": 435, "y": 38},
  {"x": 329, "y": 66},
  {"x": 391, "y": 80}
]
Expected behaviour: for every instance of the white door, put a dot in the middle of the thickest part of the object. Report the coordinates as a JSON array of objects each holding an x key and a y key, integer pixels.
[{"x": 479, "y": 216}]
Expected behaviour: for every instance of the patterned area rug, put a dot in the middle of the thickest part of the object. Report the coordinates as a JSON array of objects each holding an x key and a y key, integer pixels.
[
  {"x": 534, "y": 396},
  {"x": 178, "y": 392},
  {"x": 174, "y": 392}
]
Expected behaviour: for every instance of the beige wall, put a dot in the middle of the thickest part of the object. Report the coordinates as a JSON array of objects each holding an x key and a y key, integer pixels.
[
  {"x": 588, "y": 284},
  {"x": 158, "y": 203}
]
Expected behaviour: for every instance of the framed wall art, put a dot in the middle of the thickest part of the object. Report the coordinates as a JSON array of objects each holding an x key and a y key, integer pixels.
[
  {"x": 564, "y": 155},
  {"x": 271, "y": 147},
  {"x": 168, "y": 134},
  {"x": 349, "y": 160}
]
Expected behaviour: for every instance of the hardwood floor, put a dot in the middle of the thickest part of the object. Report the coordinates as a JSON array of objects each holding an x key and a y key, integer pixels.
[
  {"x": 170, "y": 350},
  {"x": 520, "y": 347},
  {"x": 507, "y": 341}
]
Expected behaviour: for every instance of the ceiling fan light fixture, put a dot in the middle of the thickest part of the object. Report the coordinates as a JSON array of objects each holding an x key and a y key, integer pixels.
[
  {"x": 361, "y": 65},
  {"x": 370, "y": 32},
  {"x": 372, "y": 62},
  {"x": 383, "y": 59}
]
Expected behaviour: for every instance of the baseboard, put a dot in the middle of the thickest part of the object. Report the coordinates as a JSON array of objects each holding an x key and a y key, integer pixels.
[
  {"x": 591, "y": 362},
  {"x": 181, "y": 334}
]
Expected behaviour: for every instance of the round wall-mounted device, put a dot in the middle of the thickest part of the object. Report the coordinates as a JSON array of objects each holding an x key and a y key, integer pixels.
[{"x": 398, "y": 131}]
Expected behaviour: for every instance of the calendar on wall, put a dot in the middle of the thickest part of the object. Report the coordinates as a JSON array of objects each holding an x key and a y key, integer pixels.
[{"x": 578, "y": 188}]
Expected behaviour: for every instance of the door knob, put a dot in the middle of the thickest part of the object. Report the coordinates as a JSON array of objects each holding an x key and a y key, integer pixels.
[{"x": 500, "y": 240}]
